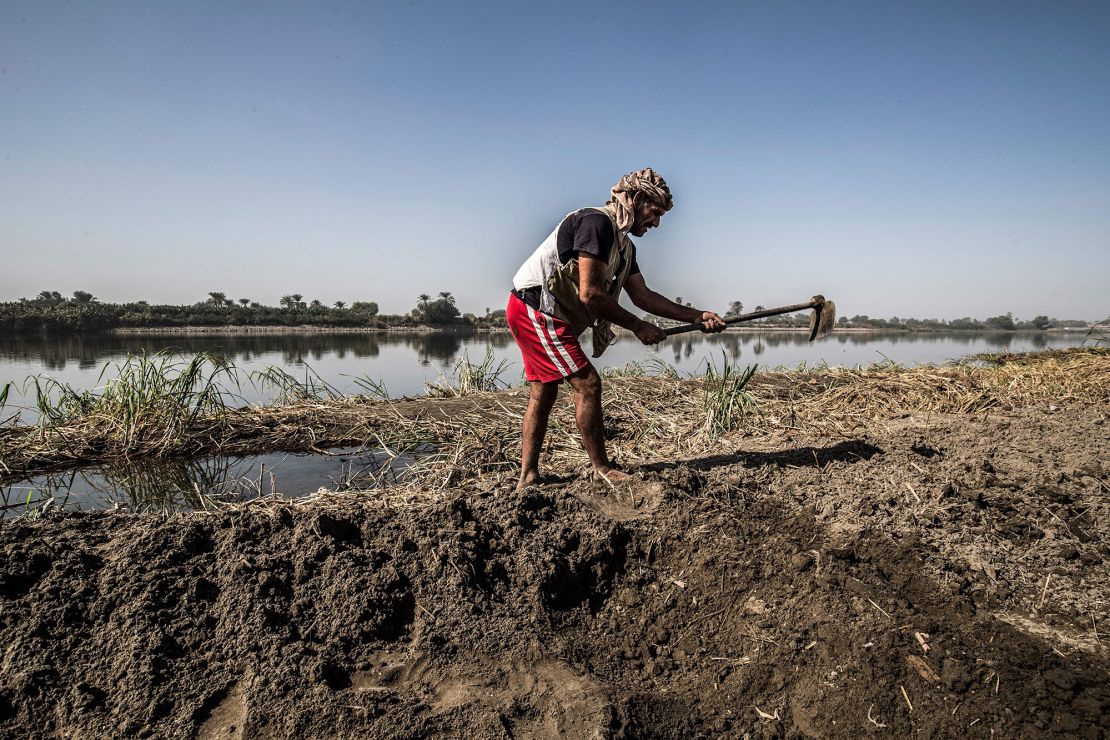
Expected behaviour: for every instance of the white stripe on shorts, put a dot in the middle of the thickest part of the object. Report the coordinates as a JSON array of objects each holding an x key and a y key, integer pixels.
[
  {"x": 532, "y": 313},
  {"x": 559, "y": 343}
]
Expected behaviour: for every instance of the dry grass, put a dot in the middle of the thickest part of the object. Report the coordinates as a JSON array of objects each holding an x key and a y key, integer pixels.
[{"x": 648, "y": 419}]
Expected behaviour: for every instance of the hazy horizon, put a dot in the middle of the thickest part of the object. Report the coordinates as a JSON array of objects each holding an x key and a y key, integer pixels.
[{"x": 905, "y": 159}]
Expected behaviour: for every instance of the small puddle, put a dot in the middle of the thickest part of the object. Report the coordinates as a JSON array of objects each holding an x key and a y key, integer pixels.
[{"x": 202, "y": 483}]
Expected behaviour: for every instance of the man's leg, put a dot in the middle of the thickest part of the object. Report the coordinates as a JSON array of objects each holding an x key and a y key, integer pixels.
[
  {"x": 587, "y": 412},
  {"x": 540, "y": 401}
]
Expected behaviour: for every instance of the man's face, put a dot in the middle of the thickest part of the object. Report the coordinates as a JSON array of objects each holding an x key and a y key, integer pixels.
[{"x": 648, "y": 213}]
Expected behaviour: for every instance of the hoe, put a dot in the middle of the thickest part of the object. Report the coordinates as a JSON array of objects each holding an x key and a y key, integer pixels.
[{"x": 820, "y": 323}]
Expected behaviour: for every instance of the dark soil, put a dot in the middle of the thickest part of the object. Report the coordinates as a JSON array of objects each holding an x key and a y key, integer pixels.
[{"x": 789, "y": 591}]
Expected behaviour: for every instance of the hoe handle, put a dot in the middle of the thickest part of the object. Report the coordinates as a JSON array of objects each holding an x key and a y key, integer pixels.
[{"x": 816, "y": 302}]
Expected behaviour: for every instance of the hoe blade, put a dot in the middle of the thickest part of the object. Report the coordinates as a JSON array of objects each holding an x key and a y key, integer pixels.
[{"x": 823, "y": 320}]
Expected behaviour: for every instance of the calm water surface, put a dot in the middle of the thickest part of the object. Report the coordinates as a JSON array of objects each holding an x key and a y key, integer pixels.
[{"x": 202, "y": 483}]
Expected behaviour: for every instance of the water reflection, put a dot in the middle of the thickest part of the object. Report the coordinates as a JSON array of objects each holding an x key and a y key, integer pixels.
[
  {"x": 183, "y": 485},
  {"x": 683, "y": 347},
  {"x": 91, "y": 352}
]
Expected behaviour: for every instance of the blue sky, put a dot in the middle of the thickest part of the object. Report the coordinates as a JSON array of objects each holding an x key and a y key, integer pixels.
[{"x": 913, "y": 159}]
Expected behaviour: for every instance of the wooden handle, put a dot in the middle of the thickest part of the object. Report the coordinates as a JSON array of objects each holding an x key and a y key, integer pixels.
[{"x": 683, "y": 328}]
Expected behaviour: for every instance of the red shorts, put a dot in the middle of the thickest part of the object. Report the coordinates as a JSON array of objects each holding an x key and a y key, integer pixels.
[{"x": 551, "y": 350}]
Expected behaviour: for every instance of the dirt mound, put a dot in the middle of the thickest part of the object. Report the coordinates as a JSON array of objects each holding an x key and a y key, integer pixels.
[{"x": 801, "y": 590}]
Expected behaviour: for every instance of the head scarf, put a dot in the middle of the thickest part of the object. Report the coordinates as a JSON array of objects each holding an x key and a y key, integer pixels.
[{"x": 645, "y": 182}]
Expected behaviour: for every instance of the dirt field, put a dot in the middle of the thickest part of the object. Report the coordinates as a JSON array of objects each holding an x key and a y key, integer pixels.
[{"x": 935, "y": 576}]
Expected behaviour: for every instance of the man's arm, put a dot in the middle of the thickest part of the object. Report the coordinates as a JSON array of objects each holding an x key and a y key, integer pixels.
[
  {"x": 592, "y": 293},
  {"x": 658, "y": 305}
]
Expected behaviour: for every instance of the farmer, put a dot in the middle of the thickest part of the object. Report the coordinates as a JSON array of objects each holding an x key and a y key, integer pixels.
[{"x": 571, "y": 283}]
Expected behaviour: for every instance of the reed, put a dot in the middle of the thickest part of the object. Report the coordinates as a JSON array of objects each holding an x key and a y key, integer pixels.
[
  {"x": 725, "y": 400},
  {"x": 371, "y": 388},
  {"x": 4, "y": 402},
  {"x": 291, "y": 389},
  {"x": 472, "y": 378},
  {"x": 148, "y": 391},
  {"x": 659, "y": 368},
  {"x": 652, "y": 366},
  {"x": 631, "y": 369},
  {"x": 154, "y": 403},
  {"x": 1098, "y": 335}
]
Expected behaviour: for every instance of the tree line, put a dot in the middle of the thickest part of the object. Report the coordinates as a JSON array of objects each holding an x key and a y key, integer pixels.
[
  {"x": 1004, "y": 322},
  {"x": 50, "y": 311}
]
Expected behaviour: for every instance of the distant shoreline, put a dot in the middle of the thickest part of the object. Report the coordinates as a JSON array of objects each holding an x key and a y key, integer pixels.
[
  {"x": 246, "y": 329},
  {"x": 306, "y": 329}
]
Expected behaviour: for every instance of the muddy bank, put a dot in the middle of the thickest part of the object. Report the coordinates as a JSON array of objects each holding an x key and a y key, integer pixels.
[{"x": 938, "y": 574}]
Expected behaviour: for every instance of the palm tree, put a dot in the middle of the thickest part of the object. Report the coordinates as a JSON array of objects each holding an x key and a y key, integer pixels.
[
  {"x": 216, "y": 299},
  {"x": 446, "y": 295},
  {"x": 424, "y": 298},
  {"x": 340, "y": 304},
  {"x": 244, "y": 302},
  {"x": 287, "y": 302},
  {"x": 80, "y": 296}
]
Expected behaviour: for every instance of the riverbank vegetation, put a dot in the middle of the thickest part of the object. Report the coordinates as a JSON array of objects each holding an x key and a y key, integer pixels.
[
  {"x": 52, "y": 312},
  {"x": 1003, "y": 322},
  {"x": 163, "y": 407}
]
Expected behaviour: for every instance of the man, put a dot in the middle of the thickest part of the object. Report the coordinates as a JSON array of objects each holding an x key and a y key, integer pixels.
[{"x": 572, "y": 283}]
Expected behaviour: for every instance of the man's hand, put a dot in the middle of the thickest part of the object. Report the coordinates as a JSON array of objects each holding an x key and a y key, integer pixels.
[
  {"x": 712, "y": 323},
  {"x": 649, "y": 333}
]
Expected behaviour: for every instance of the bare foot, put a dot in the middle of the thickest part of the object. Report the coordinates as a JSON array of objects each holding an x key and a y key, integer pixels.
[
  {"x": 531, "y": 479},
  {"x": 612, "y": 476}
]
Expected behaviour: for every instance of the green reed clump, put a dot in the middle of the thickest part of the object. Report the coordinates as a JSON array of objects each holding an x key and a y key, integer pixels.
[
  {"x": 631, "y": 369},
  {"x": 652, "y": 366},
  {"x": 4, "y": 398},
  {"x": 291, "y": 389},
  {"x": 372, "y": 388},
  {"x": 725, "y": 400},
  {"x": 152, "y": 390},
  {"x": 472, "y": 378},
  {"x": 1097, "y": 336},
  {"x": 660, "y": 368}
]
